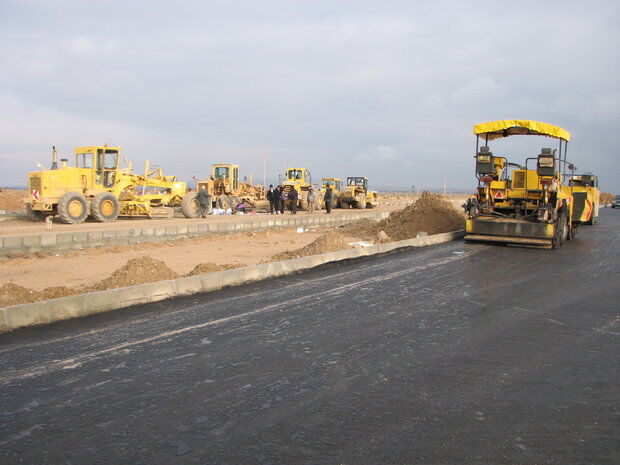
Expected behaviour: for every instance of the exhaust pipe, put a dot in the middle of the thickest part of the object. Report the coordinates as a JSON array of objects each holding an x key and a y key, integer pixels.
[{"x": 54, "y": 158}]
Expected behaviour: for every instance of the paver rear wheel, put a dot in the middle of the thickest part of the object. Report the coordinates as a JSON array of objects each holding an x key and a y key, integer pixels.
[{"x": 72, "y": 208}]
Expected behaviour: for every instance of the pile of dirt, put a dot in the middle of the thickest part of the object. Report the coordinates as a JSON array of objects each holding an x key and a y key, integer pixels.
[
  {"x": 140, "y": 270},
  {"x": 14, "y": 294},
  {"x": 431, "y": 213},
  {"x": 331, "y": 241},
  {"x": 12, "y": 200},
  {"x": 204, "y": 268},
  {"x": 364, "y": 228}
]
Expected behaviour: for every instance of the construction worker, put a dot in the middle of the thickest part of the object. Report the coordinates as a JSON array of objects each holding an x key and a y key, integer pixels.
[
  {"x": 204, "y": 201},
  {"x": 328, "y": 199},
  {"x": 292, "y": 197},
  {"x": 311, "y": 200},
  {"x": 283, "y": 197},
  {"x": 271, "y": 196}
]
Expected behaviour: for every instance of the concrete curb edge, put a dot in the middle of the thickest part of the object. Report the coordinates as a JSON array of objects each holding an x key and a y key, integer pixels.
[{"x": 49, "y": 311}]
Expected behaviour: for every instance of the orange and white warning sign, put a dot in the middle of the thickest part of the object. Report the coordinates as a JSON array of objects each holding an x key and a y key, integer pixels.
[
  {"x": 35, "y": 194},
  {"x": 498, "y": 195}
]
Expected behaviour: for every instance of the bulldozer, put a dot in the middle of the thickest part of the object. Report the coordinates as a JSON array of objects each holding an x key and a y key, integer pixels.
[
  {"x": 223, "y": 185},
  {"x": 525, "y": 206},
  {"x": 336, "y": 185},
  {"x": 299, "y": 179},
  {"x": 98, "y": 187},
  {"x": 586, "y": 197},
  {"x": 357, "y": 195}
]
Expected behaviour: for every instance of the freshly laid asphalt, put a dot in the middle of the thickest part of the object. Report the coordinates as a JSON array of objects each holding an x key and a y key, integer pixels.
[{"x": 453, "y": 354}]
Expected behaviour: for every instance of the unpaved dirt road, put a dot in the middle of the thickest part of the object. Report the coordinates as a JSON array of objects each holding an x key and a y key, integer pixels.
[{"x": 458, "y": 353}]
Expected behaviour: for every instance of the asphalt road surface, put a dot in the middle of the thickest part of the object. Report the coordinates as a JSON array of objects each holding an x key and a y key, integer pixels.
[{"x": 453, "y": 354}]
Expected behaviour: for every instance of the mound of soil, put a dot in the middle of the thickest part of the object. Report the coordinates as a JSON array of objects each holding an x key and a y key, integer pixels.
[
  {"x": 14, "y": 294},
  {"x": 432, "y": 213},
  {"x": 12, "y": 200},
  {"x": 140, "y": 270},
  {"x": 331, "y": 241},
  {"x": 204, "y": 268},
  {"x": 364, "y": 228}
]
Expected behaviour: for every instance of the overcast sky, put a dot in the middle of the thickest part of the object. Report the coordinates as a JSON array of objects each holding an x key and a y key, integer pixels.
[{"x": 386, "y": 89}]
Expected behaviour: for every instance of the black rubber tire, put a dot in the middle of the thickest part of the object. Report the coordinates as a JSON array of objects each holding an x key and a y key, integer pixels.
[
  {"x": 34, "y": 215},
  {"x": 190, "y": 205},
  {"x": 72, "y": 208},
  {"x": 105, "y": 207},
  {"x": 561, "y": 230}
]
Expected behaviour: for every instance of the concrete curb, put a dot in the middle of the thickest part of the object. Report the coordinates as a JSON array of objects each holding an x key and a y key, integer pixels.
[
  {"x": 49, "y": 311},
  {"x": 58, "y": 241}
]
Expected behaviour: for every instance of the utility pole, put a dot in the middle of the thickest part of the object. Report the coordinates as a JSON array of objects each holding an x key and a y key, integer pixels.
[
  {"x": 264, "y": 166},
  {"x": 445, "y": 182}
]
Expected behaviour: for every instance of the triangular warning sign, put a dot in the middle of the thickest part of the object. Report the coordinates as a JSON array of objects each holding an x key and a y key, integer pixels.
[{"x": 499, "y": 195}]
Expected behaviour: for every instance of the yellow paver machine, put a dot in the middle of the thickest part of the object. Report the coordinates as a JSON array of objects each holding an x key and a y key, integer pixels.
[{"x": 518, "y": 204}]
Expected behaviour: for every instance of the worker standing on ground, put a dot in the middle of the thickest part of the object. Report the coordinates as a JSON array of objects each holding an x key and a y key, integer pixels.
[
  {"x": 328, "y": 199},
  {"x": 271, "y": 196},
  {"x": 292, "y": 197},
  {"x": 311, "y": 200},
  {"x": 283, "y": 197},
  {"x": 204, "y": 200}
]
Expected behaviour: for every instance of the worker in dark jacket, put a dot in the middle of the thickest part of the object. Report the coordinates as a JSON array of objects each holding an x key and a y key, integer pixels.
[
  {"x": 204, "y": 202},
  {"x": 283, "y": 196},
  {"x": 271, "y": 196},
  {"x": 328, "y": 199},
  {"x": 292, "y": 197}
]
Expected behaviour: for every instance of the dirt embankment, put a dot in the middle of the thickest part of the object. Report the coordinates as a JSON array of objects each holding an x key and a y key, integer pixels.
[
  {"x": 431, "y": 213},
  {"x": 12, "y": 200},
  {"x": 331, "y": 241},
  {"x": 140, "y": 270}
]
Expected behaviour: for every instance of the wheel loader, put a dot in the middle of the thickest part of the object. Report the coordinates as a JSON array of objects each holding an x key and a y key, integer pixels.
[
  {"x": 336, "y": 185},
  {"x": 299, "y": 179},
  {"x": 357, "y": 195},
  {"x": 223, "y": 185},
  {"x": 586, "y": 198},
  {"x": 98, "y": 187},
  {"x": 516, "y": 204}
]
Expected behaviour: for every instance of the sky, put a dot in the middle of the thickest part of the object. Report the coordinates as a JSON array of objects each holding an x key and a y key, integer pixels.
[{"x": 384, "y": 89}]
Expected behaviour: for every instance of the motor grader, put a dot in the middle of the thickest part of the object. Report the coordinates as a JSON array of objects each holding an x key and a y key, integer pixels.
[
  {"x": 223, "y": 185},
  {"x": 528, "y": 206},
  {"x": 586, "y": 197},
  {"x": 99, "y": 188},
  {"x": 357, "y": 195},
  {"x": 299, "y": 179}
]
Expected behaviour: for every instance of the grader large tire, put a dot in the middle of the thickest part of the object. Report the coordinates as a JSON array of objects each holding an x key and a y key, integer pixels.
[
  {"x": 72, "y": 208},
  {"x": 190, "y": 205},
  {"x": 303, "y": 204},
  {"x": 34, "y": 215},
  {"x": 360, "y": 202},
  {"x": 104, "y": 207}
]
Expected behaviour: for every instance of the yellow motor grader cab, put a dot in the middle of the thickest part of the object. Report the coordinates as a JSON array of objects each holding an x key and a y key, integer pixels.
[
  {"x": 299, "y": 179},
  {"x": 527, "y": 206},
  {"x": 357, "y": 195},
  {"x": 98, "y": 187},
  {"x": 586, "y": 197}
]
